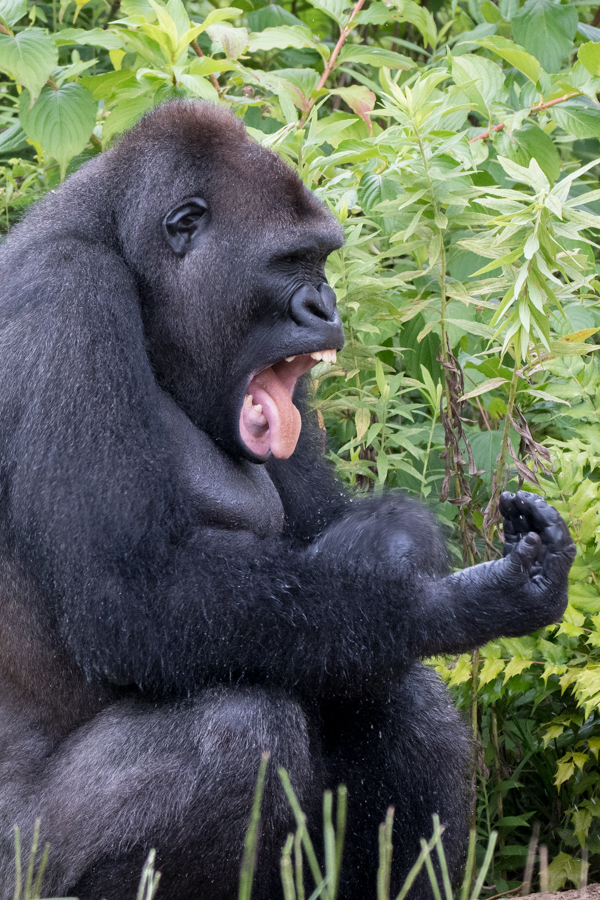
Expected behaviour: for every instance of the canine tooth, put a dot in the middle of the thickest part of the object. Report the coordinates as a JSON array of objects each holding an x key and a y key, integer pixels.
[
  {"x": 290, "y": 358},
  {"x": 248, "y": 401},
  {"x": 258, "y": 408},
  {"x": 317, "y": 356}
]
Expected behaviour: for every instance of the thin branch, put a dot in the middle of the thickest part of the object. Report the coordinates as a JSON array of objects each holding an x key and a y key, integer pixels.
[
  {"x": 534, "y": 109},
  {"x": 334, "y": 55},
  {"x": 215, "y": 81},
  {"x": 6, "y": 31}
]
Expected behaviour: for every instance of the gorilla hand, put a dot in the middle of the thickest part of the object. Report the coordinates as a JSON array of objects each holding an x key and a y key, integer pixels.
[{"x": 510, "y": 597}]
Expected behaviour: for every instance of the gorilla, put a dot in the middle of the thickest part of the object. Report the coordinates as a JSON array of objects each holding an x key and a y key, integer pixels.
[{"x": 183, "y": 583}]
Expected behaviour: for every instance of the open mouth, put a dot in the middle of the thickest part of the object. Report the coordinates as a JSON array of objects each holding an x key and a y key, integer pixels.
[{"x": 269, "y": 421}]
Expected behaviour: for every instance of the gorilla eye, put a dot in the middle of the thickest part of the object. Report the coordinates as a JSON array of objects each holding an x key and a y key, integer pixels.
[{"x": 184, "y": 223}]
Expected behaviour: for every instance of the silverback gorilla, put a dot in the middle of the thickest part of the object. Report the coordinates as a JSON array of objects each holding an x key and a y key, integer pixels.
[{"x": 183, "y": 583}]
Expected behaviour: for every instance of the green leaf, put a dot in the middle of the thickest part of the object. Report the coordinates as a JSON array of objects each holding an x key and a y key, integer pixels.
[
  {"x": 334, "y": 8},
  {"x": 12, "y": 139},
  {"x": 531, "y": 143},
  {"x": 374, "y": 56},
  {"x": 95, "y": 37},
  {"x": 579, "y": 120},
  {"x": 546, "y": 29},
  {"x": 271, "y": 16},
  {"x": 198, "y": 86},
  {"x": 484, "y": 388},
  {"x": 281, "y": 37},
  {"x": 589, "y": 56},
  {"x": 126, "y": 113},
  {"x": 360, "y": 100},
  {"x": 233, "y": 40},
  {"x": 513, "y": 54},
  {"x": 12, "y": 10},
  {"x": 478, "y": 76},
  {"x": 29, "y": 57},
  {"x": 420, "y": 17},
  {"x": 60, "y": 120}
]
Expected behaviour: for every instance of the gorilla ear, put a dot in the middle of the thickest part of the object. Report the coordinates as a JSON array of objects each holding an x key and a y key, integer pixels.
[{"x": 184, "y": 223}]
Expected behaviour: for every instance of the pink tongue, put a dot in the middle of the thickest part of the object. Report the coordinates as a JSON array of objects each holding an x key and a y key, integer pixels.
[{"x": 284, "y": 422}]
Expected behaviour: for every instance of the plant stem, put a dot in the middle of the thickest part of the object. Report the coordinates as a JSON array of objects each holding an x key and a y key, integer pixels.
[
  {"x": 474, "y": 685},
  {"x": 215, "y": 82},
  {"x": 331, "y": 61},
  {"x": 538, "y": 108},
  {"x": 507, "y": 421}
]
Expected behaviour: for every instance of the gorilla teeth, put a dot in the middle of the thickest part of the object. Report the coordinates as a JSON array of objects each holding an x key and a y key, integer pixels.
[
  {"x": 325, "y": 355},
  {"x": 248, "y": 401},
  {"x": 290, "y": 358}
]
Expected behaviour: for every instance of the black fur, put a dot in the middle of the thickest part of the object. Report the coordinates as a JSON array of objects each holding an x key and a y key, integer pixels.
[{"x": 170, "y": 607}]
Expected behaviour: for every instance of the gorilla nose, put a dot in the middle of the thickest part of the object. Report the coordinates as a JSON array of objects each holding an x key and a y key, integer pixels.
[{"x": 310, "y": 303}]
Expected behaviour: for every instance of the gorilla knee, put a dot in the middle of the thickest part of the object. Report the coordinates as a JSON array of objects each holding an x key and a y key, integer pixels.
[{"x": 240, "y": 724}]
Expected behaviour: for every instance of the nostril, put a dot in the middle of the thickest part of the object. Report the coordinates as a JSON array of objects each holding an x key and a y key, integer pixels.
[
  {"x": 317, "y": 309},
  {"x": 308, "y": 304}
]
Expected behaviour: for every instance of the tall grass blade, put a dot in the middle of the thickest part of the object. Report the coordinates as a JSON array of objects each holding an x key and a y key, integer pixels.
[
  {"x": 149, "y": 880},
  {"x": 442, "y": 858},
  {"x": 329, "y": 841},
  {"x": 384, "y": 872},
  {"x": 486, "y": 864},
  {"x": 431, "y": 871},
  {"x": 426, "y": 849},
  {"x": 18, "y": 871},
  {"x": 31, "y": 863},
  {"x": 531, "y": 850},
  {"x": 299, "y": 866},
  {"x": 468, "y": 876},
  {"x": 543, "y": 868},
  {"x": 301, "y": 820},
  {"x": 340, "y": 833},
  {"x": 251, "y": 839},
  {"x": 287, "y": 877}
]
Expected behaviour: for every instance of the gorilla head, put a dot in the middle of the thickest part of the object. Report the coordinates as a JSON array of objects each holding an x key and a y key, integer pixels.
[{"x": 227, "y": 341}]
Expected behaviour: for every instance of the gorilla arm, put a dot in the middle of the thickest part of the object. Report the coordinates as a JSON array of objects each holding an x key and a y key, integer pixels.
[{"x": 140, "y": 593}]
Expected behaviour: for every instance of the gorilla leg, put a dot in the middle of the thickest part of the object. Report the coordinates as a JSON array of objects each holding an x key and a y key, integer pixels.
[
  {"x": 411, "y": 752},
  {"x": 176, "y": 777}
]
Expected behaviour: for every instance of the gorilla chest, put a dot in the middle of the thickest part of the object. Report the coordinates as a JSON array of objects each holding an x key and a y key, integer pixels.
[{"x": 221, "y": 492}]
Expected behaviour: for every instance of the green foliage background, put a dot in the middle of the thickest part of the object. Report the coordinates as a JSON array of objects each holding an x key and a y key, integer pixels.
[{"x": 459, "y": 143}]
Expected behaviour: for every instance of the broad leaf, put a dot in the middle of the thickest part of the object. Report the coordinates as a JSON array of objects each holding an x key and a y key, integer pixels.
[
  {"x": 513, "y": 54},
  {"x": 126, "y": 113},
  {"x": 546, "y": 29},
  {"x": 95, "y": 37},
  {"x": 578, "y": 120},
  {"x": 374, "y": 56},
  {"x": 12, "y": 10},
  {"x": 530, "y": 142},
  {"x": 233, "y": 40},
  {"x": 60, "y": 120},
  {"x": 29, "y": 57},
  {"x": 281, "y": 37},
  {"x": 589, "y": 56}
]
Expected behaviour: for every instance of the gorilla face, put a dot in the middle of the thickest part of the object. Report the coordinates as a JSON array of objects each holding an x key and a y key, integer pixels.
[{"x": 243, "y": 333}]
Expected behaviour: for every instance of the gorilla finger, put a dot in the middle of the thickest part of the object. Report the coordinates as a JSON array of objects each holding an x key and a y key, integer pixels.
[
  {"x": 535, "y": 511},
  {"x": 506, "y": 504},
  {"x": 525, "y": 553}
]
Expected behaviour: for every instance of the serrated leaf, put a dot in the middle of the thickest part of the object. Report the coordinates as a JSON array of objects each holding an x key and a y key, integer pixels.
[
  {"x": 514, "y": 54},
  {"x": 280, "y": 37},
  {"x": 95, "y": 37},
  {"x": 29, "y": 57},
  {"x": 61, "y": 120},
  {"x": 546, "y": 29},
  {"x": 12, "y": 10}
]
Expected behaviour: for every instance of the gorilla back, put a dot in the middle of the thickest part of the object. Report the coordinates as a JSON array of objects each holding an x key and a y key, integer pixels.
[{"x": 183, "y": 585}]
